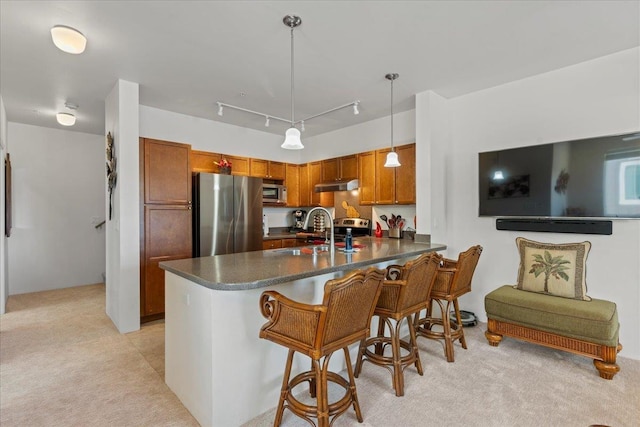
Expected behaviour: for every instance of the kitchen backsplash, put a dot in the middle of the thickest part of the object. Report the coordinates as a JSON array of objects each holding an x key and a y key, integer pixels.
[{"x": 282, "y": 217}]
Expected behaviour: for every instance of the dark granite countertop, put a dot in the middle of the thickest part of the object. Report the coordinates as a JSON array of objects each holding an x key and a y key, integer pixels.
[{"x": 254, "y": 270}]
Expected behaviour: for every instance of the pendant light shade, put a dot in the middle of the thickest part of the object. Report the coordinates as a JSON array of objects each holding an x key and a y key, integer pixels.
[
  {"x": 66, "y": 119},
  {"x": 392, "y": 160},
  {"x": 292, "y": 140},
  {"x": 68, "y": 39},
  {"x": 392, "y": 156}
]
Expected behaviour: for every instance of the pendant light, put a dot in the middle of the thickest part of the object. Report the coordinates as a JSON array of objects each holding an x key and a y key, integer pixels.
[
  {"x": 392, "y": 156},
  {"x": 292, "y": 136}
]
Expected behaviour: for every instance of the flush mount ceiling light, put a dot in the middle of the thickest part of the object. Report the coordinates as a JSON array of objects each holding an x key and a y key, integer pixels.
[
  {"x": 292, "y": 136},
  {"x": 392, "y": 156},
  {"x": 68, "y": 39},
  {"x": 67, "y": 119}
]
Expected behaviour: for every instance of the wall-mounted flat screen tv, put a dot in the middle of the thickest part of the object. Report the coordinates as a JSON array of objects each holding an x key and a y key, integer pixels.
[{"x": 594, "y": 177}]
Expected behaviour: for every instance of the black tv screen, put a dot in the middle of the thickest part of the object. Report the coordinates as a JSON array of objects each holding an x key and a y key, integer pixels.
[{"x": 595, "y": 177}]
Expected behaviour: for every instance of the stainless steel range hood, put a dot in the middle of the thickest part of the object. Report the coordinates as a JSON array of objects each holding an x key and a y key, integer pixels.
[{"x": 351, "y": 184}]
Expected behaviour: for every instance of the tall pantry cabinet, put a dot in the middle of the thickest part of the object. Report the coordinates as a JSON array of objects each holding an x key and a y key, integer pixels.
[{"x": 166, "y": 217}]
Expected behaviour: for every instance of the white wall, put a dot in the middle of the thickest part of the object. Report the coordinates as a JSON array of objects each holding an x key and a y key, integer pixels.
[
  {"x": 594, "y": 98},
  {"x": 209, "y": 135},
  {"x": 4, "y": 274},
  {"x": 366, "y": 136},
  {"x": 58, "y": 198},
  {"x": 123, "y": 229}
]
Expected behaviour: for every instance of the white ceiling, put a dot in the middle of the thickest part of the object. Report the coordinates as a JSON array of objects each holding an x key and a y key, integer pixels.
[{"x": 186, "y": 55}]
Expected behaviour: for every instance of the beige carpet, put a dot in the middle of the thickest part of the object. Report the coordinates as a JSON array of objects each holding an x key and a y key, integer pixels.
[
  {"x": 63, "y": 363},
  {"x": 515, "y": 384}
]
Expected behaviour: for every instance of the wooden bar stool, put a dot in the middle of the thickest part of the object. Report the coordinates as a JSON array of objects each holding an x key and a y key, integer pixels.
[
  {"x": 452, "y": 281},
  {"x": 404, "y": 293},
  {"x": 317, "y": 331}
]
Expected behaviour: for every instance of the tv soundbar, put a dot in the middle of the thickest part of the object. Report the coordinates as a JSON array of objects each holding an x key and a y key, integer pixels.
[{"x": 580, "y": 226}]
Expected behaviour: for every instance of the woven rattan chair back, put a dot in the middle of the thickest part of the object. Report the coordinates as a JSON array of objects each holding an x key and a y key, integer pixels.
[
  {"x": 350, "y": 302},
  {"x": 467, "y": 262},
  {"x": 404, "y": 293},
  {"x": 453, "y": 279},
  {"x": 317, "y": 331}
]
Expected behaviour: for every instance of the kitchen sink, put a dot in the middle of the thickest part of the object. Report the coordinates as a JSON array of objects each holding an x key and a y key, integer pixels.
[{"x": 305, "y": 250}]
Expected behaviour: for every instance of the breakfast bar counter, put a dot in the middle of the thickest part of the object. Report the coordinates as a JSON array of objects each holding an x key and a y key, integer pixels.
[{"x": 214, "y": 361}]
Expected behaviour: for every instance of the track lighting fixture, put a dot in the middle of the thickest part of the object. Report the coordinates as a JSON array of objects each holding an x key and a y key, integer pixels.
[
  {"x": 220, "y": 109},
  {"x": 266, "y": 122}
]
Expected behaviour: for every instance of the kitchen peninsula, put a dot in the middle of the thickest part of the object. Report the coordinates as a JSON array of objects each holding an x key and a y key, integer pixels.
[{"x": 214, "y": 361}]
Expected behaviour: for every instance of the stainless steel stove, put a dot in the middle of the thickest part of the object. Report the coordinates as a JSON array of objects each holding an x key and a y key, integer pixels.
[{"x": 359, "y": 227}]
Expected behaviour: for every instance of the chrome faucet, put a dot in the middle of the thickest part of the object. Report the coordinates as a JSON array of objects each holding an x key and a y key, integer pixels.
[{"x": 326, "y": 211}]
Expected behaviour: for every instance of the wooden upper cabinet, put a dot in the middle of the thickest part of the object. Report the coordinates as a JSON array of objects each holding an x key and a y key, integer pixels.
[
  {"x": 167, "y": 172},
  {"x": 387, "y": 186},
  {"x": 340, "y": 168},
  {"x": 385, "y": 179},
  {"x": 267, "y": 169},
  {"x": 305, "y": 187},
  {"x": 259, "y": 168},
  {"x": 367, "y": 177},
  {"x": 203, "y": 161},
  {"x": 277, "y": 170},
  {"x": 239, "y": 165},
  {"x": 330, "y": 170},
  {"x": 292, "y": 182},
  {"x": 315, "y": 177},
  {"x": 348, "y": 166},
  {"x": 406, "y": 175}
]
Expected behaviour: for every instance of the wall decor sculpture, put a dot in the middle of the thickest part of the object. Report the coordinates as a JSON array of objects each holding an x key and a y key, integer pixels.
[{"x": 112, "y": 174}]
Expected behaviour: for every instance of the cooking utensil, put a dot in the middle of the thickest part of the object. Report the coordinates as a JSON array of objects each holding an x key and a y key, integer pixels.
[
  {"x": 383, "y": 217},
  {"x": 400, "y": 223}
]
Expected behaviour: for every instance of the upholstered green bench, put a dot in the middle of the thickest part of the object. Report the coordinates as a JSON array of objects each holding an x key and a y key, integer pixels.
[{"x": 588, "y": 328}]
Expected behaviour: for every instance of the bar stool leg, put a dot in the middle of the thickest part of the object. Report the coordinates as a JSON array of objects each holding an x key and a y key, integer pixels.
[
  {"x": 322, "y": 412},
  {"x": 446, "y": 326},
  {"x": 398, "y": 377},
  {"x": 459, "y": 319},
  {"x": 284, "y": 390},
  {"x": 352, "y": 385},
  {"x": 414, "y": 344}
]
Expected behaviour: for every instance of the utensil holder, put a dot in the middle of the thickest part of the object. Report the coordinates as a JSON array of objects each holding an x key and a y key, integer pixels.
[{"x": 395, "y": 233}]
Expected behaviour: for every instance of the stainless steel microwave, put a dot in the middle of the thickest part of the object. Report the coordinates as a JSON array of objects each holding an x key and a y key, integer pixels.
[{"x": 274, "y": 193}]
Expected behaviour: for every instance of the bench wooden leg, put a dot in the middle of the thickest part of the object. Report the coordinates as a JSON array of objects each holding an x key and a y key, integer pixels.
[
  {"x": 608, "y": 367},
  {"x": 494, "y": 339}
]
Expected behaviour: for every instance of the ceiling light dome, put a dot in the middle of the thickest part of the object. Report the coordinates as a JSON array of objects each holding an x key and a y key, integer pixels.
[
  {"x": 66, "y": 119},
  {"x": 68, "y": 39}
]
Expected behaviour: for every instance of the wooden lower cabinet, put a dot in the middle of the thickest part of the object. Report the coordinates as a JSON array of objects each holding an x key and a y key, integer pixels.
[
  {"x": 283, "y": 243},
  {"x": 271, "y": 244},
  {"x": 167, "y": 236}
]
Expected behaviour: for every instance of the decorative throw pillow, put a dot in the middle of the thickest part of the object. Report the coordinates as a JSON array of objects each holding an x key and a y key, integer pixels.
[{"x": 553, "y": 268}]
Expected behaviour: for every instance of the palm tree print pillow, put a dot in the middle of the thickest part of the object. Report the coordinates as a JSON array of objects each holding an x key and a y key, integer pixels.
[{"x": 553, "y": 268}]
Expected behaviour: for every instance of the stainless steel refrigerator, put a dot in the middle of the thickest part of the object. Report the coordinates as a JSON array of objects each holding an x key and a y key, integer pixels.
[{"x": 227, "y": 215}]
